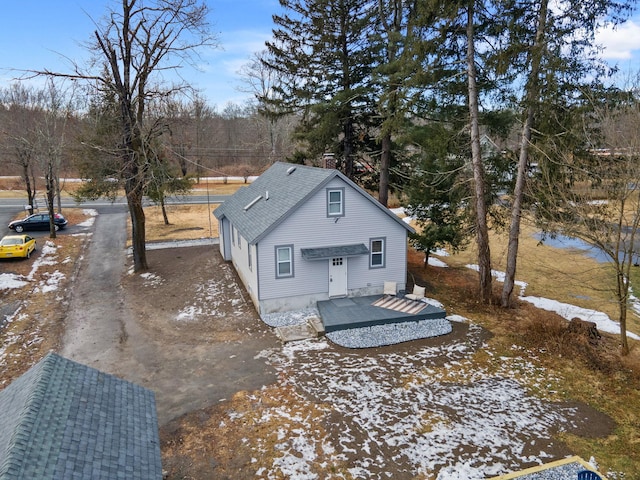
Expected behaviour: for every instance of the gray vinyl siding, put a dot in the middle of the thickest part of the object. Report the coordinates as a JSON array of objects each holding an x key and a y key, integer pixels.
[
  {"x": 309, "y": 227},
  {"x": 224, "y": 236},
  {"x": 240, "y": 259}
]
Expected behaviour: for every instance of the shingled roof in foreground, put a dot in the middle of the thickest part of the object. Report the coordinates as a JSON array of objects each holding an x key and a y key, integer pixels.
[{"x": 64, "y": 420}]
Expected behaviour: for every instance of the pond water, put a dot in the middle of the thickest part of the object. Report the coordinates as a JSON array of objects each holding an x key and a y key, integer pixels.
[{"x": 561, "y": 241}]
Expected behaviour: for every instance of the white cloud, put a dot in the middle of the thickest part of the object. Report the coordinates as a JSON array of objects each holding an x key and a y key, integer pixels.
[
  {"x": 619, "y": 42},
  {"x": 242, "y": 43}
]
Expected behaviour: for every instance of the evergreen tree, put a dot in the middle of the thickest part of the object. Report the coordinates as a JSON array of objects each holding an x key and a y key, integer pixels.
[
  {"x": 321, "y": 49},
  {"x": 453, "y": 86},
  {"x": 436, "y": 193},
  {"x": 550, "y": 52},
  {"x": 394, "y": 18}
]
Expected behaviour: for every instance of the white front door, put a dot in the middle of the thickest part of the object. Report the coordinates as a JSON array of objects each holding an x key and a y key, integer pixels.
[{"x": 338, "y": 277}]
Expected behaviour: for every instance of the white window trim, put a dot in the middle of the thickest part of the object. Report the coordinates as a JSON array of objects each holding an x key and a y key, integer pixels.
[
  {"x": 382, "y": 254},
  {"x": 341, "y": 213},
  {"x": 278, "y": 262}
]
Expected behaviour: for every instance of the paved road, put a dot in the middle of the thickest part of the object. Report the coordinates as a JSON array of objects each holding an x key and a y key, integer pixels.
[{"x": 17, "y": 204}]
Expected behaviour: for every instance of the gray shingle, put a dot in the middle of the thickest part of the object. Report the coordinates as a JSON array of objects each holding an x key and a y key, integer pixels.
[
  {"x": 321, "y": 253},
  {"x": 65, "y": 420},
  {"x": 277, "y": 193}
]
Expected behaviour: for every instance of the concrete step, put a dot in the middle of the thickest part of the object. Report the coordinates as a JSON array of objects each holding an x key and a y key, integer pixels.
[
  {"x": 316, "y": 324},
  {"x": 292, "y": 333}
]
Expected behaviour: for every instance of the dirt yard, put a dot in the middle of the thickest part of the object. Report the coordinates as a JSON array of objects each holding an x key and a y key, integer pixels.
[
  {"x": 197, "y": 332},
  {"x": 233, "y": 403}
]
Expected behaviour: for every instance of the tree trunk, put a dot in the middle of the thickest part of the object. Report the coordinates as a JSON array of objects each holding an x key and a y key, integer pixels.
[
  {"x": 518, "y": 193},
  {"x": 164, "y": 210},
  {"x": 624, "y": 343},
  {"x": 50, "y": 189},
  {"x": 58, "y": 190},
  {"x": 348, "y": 149},
  {"x": 623, "y": 297},
  {"x": 134, "y": 189},
  {"x": 516, "y": 211},
  {"x": 624, "y": 248},
  {"x": 482, "y": 229},
  {"x": 385, "y": 163},
  {"x": 31, "y": 194},
  {"x": 136, "y": 212}
]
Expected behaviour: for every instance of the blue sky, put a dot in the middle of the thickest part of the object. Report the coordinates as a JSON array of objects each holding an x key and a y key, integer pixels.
[{"x": 38, "y": 34}]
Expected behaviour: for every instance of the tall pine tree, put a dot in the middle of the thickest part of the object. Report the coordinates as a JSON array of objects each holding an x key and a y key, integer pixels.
[
  {"x": 321, "y": 49},
  {"x": 550, "y": 51}
]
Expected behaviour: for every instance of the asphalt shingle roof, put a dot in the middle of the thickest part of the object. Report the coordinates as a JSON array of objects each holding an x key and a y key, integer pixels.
[
  {"x": 64, "y": 420},
  {"x": 256, "y": 209}
]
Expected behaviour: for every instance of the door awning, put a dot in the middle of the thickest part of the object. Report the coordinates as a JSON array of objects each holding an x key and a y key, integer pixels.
[{"x": 322, "y": 253}]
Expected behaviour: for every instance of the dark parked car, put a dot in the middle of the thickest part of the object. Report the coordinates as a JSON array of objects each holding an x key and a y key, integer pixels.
[{"x": 38, "y": 221}]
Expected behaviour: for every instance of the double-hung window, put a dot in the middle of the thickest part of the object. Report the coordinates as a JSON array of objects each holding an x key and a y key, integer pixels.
[
  {"x": 377, "y": 253},
  {"x": 284, "y": 261},
  {"x": 335, "y": 202}
]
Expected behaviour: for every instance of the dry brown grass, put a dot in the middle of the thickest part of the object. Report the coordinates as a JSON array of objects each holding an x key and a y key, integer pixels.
[
  {"x": 38, "y": 325},
  {"x": 13, "y": 187},
  {"x": 594, "y": 374},
  {"x": 186, "y": 222},
  {"x": 565, "y": 275}
]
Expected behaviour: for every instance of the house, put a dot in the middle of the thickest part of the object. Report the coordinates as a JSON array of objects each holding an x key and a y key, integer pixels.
[
  {"x": 298, "y": 235},
  {"x": 64, "y": 420}
]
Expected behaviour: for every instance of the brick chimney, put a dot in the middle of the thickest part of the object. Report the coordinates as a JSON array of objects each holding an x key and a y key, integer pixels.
[{"x": 329, "y": 160}]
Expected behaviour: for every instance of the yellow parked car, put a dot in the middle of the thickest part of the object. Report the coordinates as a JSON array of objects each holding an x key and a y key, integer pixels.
[{"x": 17, "y": 246}]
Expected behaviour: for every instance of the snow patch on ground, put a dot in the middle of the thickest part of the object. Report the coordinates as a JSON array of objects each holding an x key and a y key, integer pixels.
[
  {"x": 209, "y": 298},
  {"x": 91, "y": 220},
  {"x": 409, "y": 412},
  {"x": 565, "y": 310},
  {"x": 151, "y": 279},
  {"x": 50, "y": 280},
  {"x": 568, "y": 311},
  {"x": 436, "y": 262},
  {"x": 9, "y": 281},
  {"x": 500, "y": 276}
]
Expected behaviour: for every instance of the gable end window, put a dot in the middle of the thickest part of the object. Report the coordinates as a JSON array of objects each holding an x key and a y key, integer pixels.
[
  {"x": 377, "y": 253},
  {"x": 335, "y": 202},
  {"x": 284, "y": 261}
]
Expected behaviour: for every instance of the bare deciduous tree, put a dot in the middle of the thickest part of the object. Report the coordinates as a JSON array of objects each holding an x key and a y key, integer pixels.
[
  {"x": 22, "y": 109},
  {"x": 134, "y": 48},
  {"x": 264, "y": 84},
  {"x": 596, "y": 198},
  {"x": 138, "y": 44},
  {"x": 50, "y": 134}
]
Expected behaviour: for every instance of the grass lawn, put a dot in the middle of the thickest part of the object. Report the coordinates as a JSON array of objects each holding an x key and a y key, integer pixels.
[{"x": 566, "y": 275}]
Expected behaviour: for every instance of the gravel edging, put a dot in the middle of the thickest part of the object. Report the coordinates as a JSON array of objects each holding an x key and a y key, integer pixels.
[
  {"x": 366, "y": 337},
  {"x": 390, "y": 334}
]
